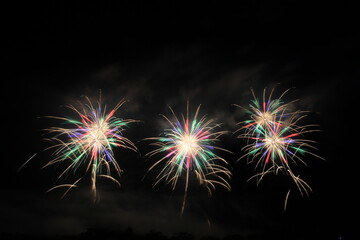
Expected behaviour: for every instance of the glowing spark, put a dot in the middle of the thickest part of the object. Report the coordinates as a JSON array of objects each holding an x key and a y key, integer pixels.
[
  {"x": 89, "y": 140},
  {"x": 266, "y": 114},
  {"x": 275, "y": 140},
  {"x": 188, "y": 147}
]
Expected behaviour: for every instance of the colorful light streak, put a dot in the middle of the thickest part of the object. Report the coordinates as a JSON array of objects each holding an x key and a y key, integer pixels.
[
  {"x": 89, "y": 140},
  {"x": 188, "y": 147},
  {"x": 275, "y": 140}
]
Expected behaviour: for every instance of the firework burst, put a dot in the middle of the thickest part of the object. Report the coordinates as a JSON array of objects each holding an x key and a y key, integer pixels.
[
  {"x": 89, "y": 140},
  {"x": 265, "y": 113},
  {"x": 275, "y": 140},
  {"x": 188, "y": 147}
]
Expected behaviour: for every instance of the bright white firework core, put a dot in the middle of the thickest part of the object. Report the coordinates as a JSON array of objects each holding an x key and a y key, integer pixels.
[
  {"x": 97, "y": 134},
  {"x": 264, "y": 118},
  {"x": 273, "y": 142},
  {"x": 188, "y": 144}
]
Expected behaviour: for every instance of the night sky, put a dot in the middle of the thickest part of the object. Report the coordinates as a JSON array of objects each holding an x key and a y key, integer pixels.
[{"x": 162, "y": 54}]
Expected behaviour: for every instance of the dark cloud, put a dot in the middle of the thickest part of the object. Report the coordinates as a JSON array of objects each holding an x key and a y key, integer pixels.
[{"x": 117, "y": 210}]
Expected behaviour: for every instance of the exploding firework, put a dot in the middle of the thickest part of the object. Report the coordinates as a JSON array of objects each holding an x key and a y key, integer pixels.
[
  {"x": 188, "y": 147},
  {"x": 88, "y": 140},
  {"x": 275, "y": 140},
  {"x": 266, "y": 113}
]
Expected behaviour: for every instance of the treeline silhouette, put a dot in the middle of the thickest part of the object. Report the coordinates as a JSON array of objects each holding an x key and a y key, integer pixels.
[{"x": 128, "y": 234}]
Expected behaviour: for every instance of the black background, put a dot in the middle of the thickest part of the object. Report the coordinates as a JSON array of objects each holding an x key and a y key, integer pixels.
[{"x": 156, "y": 54}]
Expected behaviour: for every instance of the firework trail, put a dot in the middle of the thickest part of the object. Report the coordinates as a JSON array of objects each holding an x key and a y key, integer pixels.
[
  {"x": 265, "y": 114},
  {"x": 187, "y": 147},
  {"x": 275, "y": 140},
  {"x": 88, "y": 140}
]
